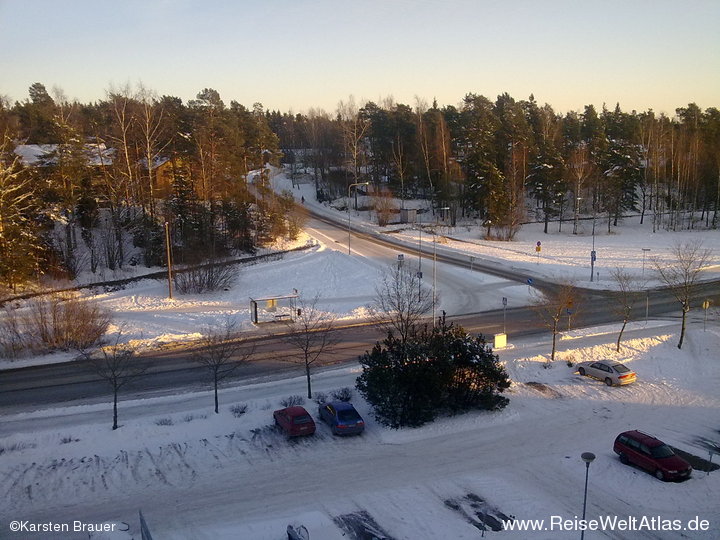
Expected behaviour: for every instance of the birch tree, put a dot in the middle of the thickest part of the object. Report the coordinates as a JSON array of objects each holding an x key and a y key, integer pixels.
[
  {"x": 221, "y": 352},
  {"x": 681, "y": 273},
  {"x": 311, "y": 336}
]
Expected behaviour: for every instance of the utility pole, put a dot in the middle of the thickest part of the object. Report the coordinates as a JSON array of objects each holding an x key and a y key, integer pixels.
[{"x": 169, "y": 258}]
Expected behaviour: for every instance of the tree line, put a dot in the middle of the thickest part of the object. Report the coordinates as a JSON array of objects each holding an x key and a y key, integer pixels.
[
  {"x": 508, "y": 162},
  {"x": 502, "y": 163},
  {"x": 110, "y": 174}
]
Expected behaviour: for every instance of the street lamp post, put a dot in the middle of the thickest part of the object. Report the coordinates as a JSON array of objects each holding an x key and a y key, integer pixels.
[
  {"x": 443, "y": 209},
  {"x": 592, "y": 252},
  {"x": 419, "y": 272},
  {"x": 168, "y": 250},
  {"x": 348, "y": 208},
  {"x": 644, "y": 250},
  {"x": 588, "y": 458}
]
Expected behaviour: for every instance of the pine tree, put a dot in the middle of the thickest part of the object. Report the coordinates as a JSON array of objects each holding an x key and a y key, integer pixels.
[
  {"x": 442, "y": 369},
  {"x": 20, "y": 242}
]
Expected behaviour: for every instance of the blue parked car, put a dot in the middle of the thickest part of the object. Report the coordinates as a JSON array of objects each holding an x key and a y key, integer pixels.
[{"x": 342, "y": 418}]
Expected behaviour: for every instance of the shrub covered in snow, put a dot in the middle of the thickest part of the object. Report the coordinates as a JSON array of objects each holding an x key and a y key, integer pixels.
[
  {"x": 320, "y": 397},
  {"x": 343, "y": 394},
  {"x": 238, "y": 409},
  {"x": 439, "y": 370},
  {"x": 292, "y": 401}
]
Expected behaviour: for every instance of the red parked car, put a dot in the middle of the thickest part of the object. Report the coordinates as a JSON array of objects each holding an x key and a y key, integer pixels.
[
  {"x": 294, "y": 421},
  {"x": 653, "y": 455}
]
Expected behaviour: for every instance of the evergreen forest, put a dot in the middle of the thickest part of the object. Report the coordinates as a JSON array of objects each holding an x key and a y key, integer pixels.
[{"x": 109, "y": 174}]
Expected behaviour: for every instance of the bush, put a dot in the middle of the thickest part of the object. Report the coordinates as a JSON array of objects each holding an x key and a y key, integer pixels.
[
  {"x": 292, "y": 401},
  {"x": 164, "y": 422},
  {"x": 63, "y": 322},
  {"x": 205, "y": 278},
  {"x": 440, "y": 370},
  {"x": 13, "y": 341},
  {"x": 66, "y": 440},
  {"x": 238, "y": 409},
  {"x": 343, "y": 394},
  {"x": 15, "y": 447},
  {"x": 320, "y": 397},
  {"x": 54, "y": 322}
]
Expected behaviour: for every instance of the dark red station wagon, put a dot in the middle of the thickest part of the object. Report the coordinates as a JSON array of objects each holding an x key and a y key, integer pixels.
[
  {"x": 295, "y": 421},
  {"x": 653, "y": 455}
]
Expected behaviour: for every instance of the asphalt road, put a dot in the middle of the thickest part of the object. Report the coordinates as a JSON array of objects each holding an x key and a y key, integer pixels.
[{"x": 174, "y": 371}]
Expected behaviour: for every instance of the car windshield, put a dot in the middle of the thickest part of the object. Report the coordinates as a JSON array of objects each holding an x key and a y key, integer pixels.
[
  {"x": 348, "y": 416},
  {"x": 620, "y": 368},
  {"x": 662, "y": 451},
  {"x": 302, "y": 419}
]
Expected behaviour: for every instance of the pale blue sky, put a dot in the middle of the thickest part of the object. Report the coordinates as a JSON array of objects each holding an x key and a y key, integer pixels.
[{"x": 297, "y": 54}]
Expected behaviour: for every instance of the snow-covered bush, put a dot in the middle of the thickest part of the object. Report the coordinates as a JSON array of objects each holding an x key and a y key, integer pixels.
[
  {"x": 441, "y": 370},
  {"x": 52, "y": 322},
  {"x": 320, "y": 397},
  {"x": 343, "y": 394},
  {"x": 205, "y": 278},
  {"x": 292, "y": 401},
  {"x": 238, "y": 409}
]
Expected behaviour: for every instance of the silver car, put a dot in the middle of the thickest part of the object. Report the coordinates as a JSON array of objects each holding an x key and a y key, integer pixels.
[{"x": 610, "y": 372}]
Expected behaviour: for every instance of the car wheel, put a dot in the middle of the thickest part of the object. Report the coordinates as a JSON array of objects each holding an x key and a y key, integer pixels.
[
  {"x": 276, "y": 422},
  {"x": 581, "y": 371},
  {"x": 659, "y": 475},
  {"x": 624, "y": 459},
  {"x": 608, "y": 381}
]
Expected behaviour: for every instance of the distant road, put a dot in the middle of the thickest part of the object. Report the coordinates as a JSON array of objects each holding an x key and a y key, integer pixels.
[{"x": 174, "y": 371}]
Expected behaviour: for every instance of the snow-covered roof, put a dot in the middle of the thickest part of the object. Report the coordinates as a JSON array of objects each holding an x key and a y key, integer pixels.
[{"x": 43, "y": 155}]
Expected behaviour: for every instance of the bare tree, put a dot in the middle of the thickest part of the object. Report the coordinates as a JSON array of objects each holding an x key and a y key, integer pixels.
[
  {"x": 384, "y": 204},
  {"x": 553, "y": 305},
  {"x": 150, "y": 120},
  {"x": 400, "y": 301},
  {"x": 354, "y": 128},
  {"x": 118, "y": 366},
  {"x": 626, "y": 298},
  {"x": 311, "y": 335},
  {"x": 682, "y": 274},
  {"x": 401, "y": 165},
  {"x": 579, "y": 169},
  {"x": 222, "y": 352}
]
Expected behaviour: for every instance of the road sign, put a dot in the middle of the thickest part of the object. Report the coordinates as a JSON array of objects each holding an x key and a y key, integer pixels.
[
  {"x": 504, "y": 300},
  {"x": 706, "y": 304},
  {"x": 529, "y": 281},
  {"x": 419, "y": 275},
  {"x": 538, "y": 248},
  {"x": 539, "y": 243}
]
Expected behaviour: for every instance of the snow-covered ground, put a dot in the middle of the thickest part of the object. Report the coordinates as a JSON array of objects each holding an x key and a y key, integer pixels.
[
  {"x": 346, "y": 284},
  {"x": 197, "y": 475},
  {"x": 562, "y": 256}
]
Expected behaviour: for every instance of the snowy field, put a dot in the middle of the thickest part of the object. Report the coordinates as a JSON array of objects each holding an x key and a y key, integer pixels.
[
  {"x": 563, "y": 255},
  {"x": 346, "y": 284},
  {"x": 197, "y": 475}
]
